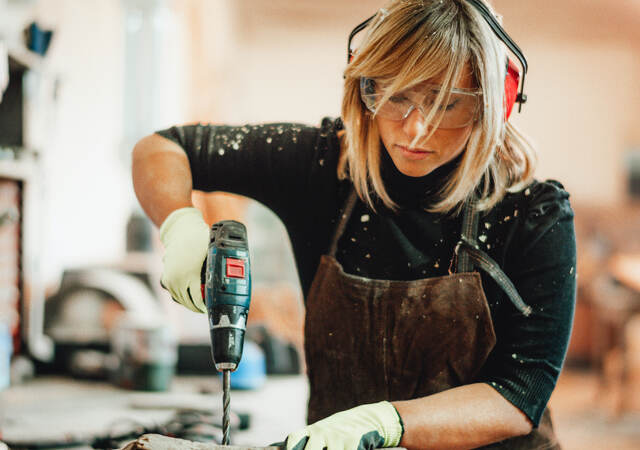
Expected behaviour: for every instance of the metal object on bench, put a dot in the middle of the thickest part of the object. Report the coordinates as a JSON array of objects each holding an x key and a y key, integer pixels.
[{"x": 85, "y": 311}]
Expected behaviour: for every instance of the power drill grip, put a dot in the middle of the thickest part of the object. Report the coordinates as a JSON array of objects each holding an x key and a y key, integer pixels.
[{"x": 227, "y": 292}]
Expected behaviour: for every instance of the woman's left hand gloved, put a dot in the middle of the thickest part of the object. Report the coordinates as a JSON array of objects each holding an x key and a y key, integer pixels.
[{"x": 361, "y": 428}]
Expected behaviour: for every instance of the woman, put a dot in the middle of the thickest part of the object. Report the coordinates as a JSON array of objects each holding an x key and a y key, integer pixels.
[{"x": 389, "y": 210}]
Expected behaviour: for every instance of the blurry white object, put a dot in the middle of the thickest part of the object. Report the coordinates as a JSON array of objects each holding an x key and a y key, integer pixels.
[{"x": 4, "y": 68}]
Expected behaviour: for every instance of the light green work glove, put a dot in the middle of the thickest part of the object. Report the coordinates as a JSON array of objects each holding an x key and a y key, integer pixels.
[
  {"x": 185, "y": 236},
  {"x": 361, "y": 428}
]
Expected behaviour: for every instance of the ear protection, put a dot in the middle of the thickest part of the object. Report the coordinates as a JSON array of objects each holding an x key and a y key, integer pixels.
[{"x": 512, "y": 78}]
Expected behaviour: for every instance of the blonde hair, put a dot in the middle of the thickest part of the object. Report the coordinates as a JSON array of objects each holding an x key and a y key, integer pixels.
[{"x": 412, "y": 41}]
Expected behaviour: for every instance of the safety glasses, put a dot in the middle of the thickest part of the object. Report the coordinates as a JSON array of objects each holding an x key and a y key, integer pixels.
[{"x": 461, "y": 109}]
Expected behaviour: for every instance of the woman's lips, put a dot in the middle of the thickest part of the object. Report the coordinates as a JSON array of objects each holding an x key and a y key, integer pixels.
[{"x": 414, "y": 153}]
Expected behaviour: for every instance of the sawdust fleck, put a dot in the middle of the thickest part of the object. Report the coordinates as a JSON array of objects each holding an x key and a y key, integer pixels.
[{"x": 364, "y": 218}]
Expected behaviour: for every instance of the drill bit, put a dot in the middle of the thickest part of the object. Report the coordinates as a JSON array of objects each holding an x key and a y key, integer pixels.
[{"x": 226, "y": 385}]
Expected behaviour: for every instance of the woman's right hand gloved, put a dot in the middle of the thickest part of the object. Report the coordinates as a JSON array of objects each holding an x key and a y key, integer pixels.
[{"x": 185, "y": 236}]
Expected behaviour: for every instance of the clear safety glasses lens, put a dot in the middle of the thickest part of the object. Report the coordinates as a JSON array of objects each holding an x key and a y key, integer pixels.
[{"x": 461, "y": 110}]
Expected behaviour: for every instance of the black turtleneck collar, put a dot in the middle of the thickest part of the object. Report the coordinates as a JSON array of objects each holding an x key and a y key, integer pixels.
[{"x": 409, "y": 192}]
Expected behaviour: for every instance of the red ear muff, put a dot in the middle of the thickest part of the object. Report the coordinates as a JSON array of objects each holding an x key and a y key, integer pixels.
[{"x": 511, "y": 84}]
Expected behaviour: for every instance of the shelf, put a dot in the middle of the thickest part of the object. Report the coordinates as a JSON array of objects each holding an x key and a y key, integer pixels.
[{"x": 16, "y": 169}]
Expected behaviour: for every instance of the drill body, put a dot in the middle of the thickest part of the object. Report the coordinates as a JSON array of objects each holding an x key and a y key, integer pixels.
[{"x": 227, "y": 292}]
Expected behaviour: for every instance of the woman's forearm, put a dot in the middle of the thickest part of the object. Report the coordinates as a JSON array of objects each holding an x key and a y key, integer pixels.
[
  {"x": 465, "y": 417},
  {"x": 161, "y": 177}
]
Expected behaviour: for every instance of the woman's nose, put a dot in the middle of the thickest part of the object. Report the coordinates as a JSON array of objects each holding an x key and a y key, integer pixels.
[{"x": 414, "y": 124}]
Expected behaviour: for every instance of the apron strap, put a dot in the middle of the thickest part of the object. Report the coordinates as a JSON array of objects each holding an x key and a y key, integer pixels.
[
  {"x": 342, "y": 224},
  {"x": 489, "y": 265},
  {"x": 467, "y": 255},
  {"x": 469, "y": 233}
]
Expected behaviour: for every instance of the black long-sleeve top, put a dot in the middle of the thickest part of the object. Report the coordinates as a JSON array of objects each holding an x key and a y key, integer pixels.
[{"x": 291, "y": 169}]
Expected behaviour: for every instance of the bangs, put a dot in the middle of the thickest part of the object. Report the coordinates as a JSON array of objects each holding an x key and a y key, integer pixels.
[{"x": 412, "y": 43}]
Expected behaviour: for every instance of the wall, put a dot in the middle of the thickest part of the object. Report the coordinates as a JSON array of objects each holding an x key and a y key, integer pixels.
[
  {"x": 584, "y": 102},
  {"x": 279, "y": 60},
  {"x": 101, "y": 108}
]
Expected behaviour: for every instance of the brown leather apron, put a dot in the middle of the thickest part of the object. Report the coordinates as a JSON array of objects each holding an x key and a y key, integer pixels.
[{"x": 368, "y": 340}]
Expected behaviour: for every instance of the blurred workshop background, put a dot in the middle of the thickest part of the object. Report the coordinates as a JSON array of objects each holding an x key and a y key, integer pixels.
[{"x": 82, "y": 81}]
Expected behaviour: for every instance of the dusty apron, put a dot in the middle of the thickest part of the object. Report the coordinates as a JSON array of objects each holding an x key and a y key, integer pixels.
[{"x": 369, "y": 340}]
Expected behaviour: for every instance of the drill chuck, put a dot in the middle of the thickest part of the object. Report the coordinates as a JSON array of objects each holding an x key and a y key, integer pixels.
[{"x": 227, "y": 324}]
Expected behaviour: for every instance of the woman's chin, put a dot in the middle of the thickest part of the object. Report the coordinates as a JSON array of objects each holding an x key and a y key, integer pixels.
[
  {"x": 412, "y": 165},
  {"x": 411, "y": 169}
]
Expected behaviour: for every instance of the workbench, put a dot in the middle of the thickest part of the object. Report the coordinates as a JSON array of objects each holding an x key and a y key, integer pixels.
[{"x": 61, "y": 409}]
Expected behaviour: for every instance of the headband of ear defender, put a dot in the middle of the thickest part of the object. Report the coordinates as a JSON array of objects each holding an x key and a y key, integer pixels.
[{"x": 512, "y": 78}]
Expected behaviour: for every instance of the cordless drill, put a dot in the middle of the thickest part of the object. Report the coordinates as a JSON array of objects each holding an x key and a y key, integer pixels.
[{"x": 227, "y": 294}]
